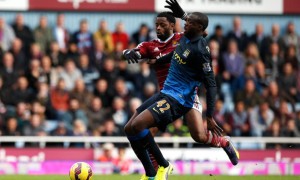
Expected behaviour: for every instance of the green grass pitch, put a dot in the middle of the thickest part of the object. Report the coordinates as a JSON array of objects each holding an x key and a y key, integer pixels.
[{"x": 136, "y": 177}]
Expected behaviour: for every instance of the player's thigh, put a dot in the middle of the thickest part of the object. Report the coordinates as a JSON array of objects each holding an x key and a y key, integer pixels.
[
  {"x": 127, "y": 128},
  {"x": 144, "y": 120},
  {"x": 154, "y": 131},
  {"x": 195, "y": 124}
]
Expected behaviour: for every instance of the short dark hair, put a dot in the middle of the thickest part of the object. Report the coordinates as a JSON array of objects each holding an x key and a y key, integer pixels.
[
  {"x": 167, "y": 15},
  {"x": 202, "y": 19}
]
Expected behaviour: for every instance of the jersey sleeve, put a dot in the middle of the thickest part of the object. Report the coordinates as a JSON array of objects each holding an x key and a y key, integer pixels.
[
  {"x": 208, "y": 77},
  {"x": 143, "y": 49}
]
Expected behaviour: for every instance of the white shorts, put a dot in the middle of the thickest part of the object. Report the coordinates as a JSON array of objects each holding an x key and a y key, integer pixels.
[{"x": 197, "y": 104}]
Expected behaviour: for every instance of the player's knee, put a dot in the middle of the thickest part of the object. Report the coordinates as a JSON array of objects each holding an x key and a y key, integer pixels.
[
  {"x": 127, "y": 129},
  {"x": 136, "y": 127}
]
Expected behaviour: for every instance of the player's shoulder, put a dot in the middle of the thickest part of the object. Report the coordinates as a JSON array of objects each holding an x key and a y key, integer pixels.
[
  {"x": 202, "y": 46},
  {"x": 178, "y": 35}
]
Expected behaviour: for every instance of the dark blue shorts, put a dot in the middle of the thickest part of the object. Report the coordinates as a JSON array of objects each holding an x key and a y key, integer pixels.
[{"x": 164, "y": 109}]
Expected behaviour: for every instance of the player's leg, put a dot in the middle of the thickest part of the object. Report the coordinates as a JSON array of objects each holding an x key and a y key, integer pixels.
[{"x": 199, "y": 133}]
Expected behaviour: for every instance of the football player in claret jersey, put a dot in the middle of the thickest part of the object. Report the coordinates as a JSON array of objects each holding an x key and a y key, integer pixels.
[{"x": 142, "y": 141}]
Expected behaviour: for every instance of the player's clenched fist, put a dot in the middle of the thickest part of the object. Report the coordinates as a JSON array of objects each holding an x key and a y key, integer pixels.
[{"x": 132, "y": 56}]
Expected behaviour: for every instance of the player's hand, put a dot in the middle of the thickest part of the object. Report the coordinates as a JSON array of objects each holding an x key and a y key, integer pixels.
[
  {"x": 177, "y": 11},
  {"x": 213, "y": 126},
  {"x": 131, "y": 56}
]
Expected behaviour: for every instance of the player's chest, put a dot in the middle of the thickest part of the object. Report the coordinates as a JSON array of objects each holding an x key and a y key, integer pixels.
[
  {"x": 157, "y": 50},
  {"x": 184, "y": 54}
]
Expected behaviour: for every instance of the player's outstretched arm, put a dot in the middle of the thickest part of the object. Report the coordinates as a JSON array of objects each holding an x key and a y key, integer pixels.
[
  {"x": 176, "y": 9},
  {"x": 131, "y": 56},
  {"x": 164, "y": 59}
]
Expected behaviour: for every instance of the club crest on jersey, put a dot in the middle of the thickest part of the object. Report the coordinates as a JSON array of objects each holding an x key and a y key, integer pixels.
[
  {"x": 186, "y": 53},
  {"x": 175, "y": 43},
  {"x": 206, "y": 67},
  {"x": 155, "y": 49}
]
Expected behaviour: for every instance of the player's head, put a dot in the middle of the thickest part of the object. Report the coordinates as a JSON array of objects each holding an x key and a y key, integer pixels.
[
  {"x": 195, "y": 24},
  {"x": 165, "y": 24}
]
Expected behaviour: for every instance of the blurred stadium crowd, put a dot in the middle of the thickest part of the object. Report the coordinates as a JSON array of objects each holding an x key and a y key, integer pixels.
[{"x": 55, "y": 82}]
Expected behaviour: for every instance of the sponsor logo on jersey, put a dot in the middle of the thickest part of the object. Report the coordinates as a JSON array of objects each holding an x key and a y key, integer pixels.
[
  {"x": 175, "y": 43},
  {"x": 186, "y": 53},
  {"x": 206, "y": 67},
  {"x": 178, "y": 58}
]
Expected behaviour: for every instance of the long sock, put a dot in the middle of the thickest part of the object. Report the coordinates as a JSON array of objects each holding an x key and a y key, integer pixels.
[
  {"x": 216, "y": 141},
  {"x": 140, "y": 149},
  {"x": 153, "y": 161},
  {"x": 155, "y": 151}
]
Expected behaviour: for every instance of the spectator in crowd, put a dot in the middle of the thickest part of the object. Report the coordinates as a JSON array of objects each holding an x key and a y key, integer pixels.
[
  {"x": 248, "y": 95},
  {"x": 107, "y": 153},
  {"x": 239, "y": 82},
  {"x": 74, "y": 113},
  {"x": 110, "y": 73},
  {"x": 122, "y": 90},
  {"x": 43, "y": 97},
  {"x": 273, "y": 61},
  {"x": 73, "y": 52},
  {"x": 7, "y": 35},
  {"x": 122, "y": 163},
  {"x": 288, "y": 81},
  {"x": 35, "y": 51},
  {"x": 43, "y": 34},
  {"x": 104, "y": 34},
  {"x": 142, "y": 35},
  {"x": 56, "y": 55},
  {"x": 258, "y": 36},
  {"x": 275, "y": 96},
  {"x": 125, "y": 73},
  {"x": 98, "y": 55},
  {"x": 101, "y": 91},
  {"x": 120, "y": 36},
  {"x": 274, "y": 37},
  {"x": 81, "y": 94},
  {"x": 262, "y": 79},
  {"x": 145, "y": 75},
  {"x": 133, "y": 104},
  {"x": 22, "y": 92},
  {"x": 83, "y": 38},
  {"x": 70, "y": 74},
  {"x": 291, "y": 37},
  {"x": 219, "y": 116},
  {"x": 238, "y": 34},
  {"x": 252, "y": 53},
  {"x": 283, "y": 113},
  {"x": 61, "y": 130},
  {"x": 290, "y": 130},
  {"x": 20, "y": 58},
  {"x": 95, "y": 113},
  {"x": 218, "y": 37},
  {"x": 239, "y": 120},
  {"x": 39, "y": 109},
  {"x": 35, "y": 127},
  {"x": 11, "y": 128},
  {"x": 23, "y": 32},
  {"x": 298, "y": 120},
  {"x": 118, "y": 112},
  {"x": 177, "y": 128},
  {"x": 89, "y": 72},
  {"x": 60, "y": 97},
  {"x": 79, "y": 129},
  {"x": 291, "y": 57},
  {"x": 8, "y": 72},
  {"x": 61, "y": 35},
  {"x": 110, "y": 128},
  {"x": 22, "y": 114},
  {"x": 50, "y": 73},
  {"x": 233, "y": 62},
  {"x": 273, "y": 131},
  {"x": 149, "y": 90},
  {"x": 35, "y": 74},
  {"x": 261, "y": 118}
]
